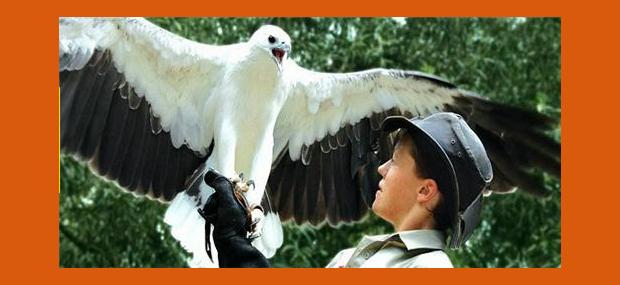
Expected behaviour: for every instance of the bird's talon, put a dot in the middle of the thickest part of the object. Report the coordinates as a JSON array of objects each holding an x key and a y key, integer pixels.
[{"x": 241, "y": 184}]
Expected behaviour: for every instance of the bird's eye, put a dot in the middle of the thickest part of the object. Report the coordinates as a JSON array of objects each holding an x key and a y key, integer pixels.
[{"x": 272, "y": 39}]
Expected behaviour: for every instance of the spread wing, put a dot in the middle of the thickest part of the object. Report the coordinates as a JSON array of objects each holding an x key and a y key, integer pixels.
[
  {"x": 330, "y": 144},
  {"x": 134, "y": 101}
]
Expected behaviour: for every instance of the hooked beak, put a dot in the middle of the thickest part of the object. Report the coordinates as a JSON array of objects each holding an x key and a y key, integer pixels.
[{"x": 279, "y": 53}]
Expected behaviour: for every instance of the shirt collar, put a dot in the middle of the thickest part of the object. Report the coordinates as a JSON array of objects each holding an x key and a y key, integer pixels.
[
  {"x": 412, "y": 239},
  {"x": 423, "y": 239}
]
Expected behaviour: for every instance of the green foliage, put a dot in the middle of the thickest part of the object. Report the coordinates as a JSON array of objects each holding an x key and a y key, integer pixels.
[
  {"x": 101, "y": 226},
  {"x": 516, "y": 61}
]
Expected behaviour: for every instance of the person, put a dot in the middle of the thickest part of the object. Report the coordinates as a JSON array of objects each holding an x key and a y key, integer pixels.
[{"x": 431, "y": 189}]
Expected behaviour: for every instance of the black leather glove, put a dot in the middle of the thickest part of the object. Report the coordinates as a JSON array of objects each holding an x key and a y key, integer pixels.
[{"x": 230, "y": 220}]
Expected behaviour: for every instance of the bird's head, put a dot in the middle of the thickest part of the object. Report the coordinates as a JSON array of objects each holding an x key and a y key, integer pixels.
[{"x": 274, "y": 41}]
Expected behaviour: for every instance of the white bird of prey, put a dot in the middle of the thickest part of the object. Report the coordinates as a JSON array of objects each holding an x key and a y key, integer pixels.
[{"x": 151, "y": 111}]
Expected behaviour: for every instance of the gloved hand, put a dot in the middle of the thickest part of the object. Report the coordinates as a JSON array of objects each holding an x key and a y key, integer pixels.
[
  {"x": 227, "y": 214},
  {"x": 230, "y": 218}
]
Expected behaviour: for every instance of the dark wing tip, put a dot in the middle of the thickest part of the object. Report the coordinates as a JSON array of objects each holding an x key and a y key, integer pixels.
[{"x": 116, "y": 135}]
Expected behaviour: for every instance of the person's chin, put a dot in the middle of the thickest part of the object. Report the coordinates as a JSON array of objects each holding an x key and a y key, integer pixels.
[
  {"x": 376, "y": 205},
  {"x": 378, "y": 209}
]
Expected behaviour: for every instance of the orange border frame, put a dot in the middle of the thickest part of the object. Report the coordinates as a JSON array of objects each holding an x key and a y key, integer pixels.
[{"x": 31, "y": 142}]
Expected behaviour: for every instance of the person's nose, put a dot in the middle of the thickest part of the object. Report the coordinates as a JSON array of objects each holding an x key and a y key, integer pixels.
[{"x": 383, "y": 168}]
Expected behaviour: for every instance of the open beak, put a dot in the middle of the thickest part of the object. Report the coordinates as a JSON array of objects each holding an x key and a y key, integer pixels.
[{"x": 279, "y": 53}]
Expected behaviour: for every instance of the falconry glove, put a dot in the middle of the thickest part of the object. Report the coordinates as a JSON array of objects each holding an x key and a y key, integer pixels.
[{"x": 230, "y": 214}]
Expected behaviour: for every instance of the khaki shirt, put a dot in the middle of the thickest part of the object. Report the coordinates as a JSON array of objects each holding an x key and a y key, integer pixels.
[{"x": 396, "y": 250}]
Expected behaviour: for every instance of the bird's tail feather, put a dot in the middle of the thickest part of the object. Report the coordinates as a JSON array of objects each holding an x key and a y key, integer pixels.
[
  {"x": 272, "y": 235},
  {"x": 186, "y": 224},
  {"x": 188, "y": 227}
]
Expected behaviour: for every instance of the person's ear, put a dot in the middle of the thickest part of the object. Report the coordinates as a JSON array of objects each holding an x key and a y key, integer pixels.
[{"x": 428, "y": 190}]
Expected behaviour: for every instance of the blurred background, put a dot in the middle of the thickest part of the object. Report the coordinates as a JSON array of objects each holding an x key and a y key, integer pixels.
[{"x": 511, "y": 60}]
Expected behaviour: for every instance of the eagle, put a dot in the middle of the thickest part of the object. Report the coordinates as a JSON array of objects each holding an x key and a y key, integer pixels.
[{"x": 152, "y": 111}]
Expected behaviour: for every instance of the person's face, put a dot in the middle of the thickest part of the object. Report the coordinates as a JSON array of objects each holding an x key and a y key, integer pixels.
[{"x": 397, "y": 192}]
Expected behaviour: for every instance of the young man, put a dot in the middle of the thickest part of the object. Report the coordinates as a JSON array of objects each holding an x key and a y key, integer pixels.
[{"x": 431, "y": 188}]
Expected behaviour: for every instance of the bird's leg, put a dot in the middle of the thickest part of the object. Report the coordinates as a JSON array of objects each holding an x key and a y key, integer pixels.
[{"x": 254, "y": 212}]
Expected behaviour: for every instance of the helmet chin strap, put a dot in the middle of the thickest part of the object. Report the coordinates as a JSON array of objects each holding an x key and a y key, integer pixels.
[{"x": 467, "y": 222}]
